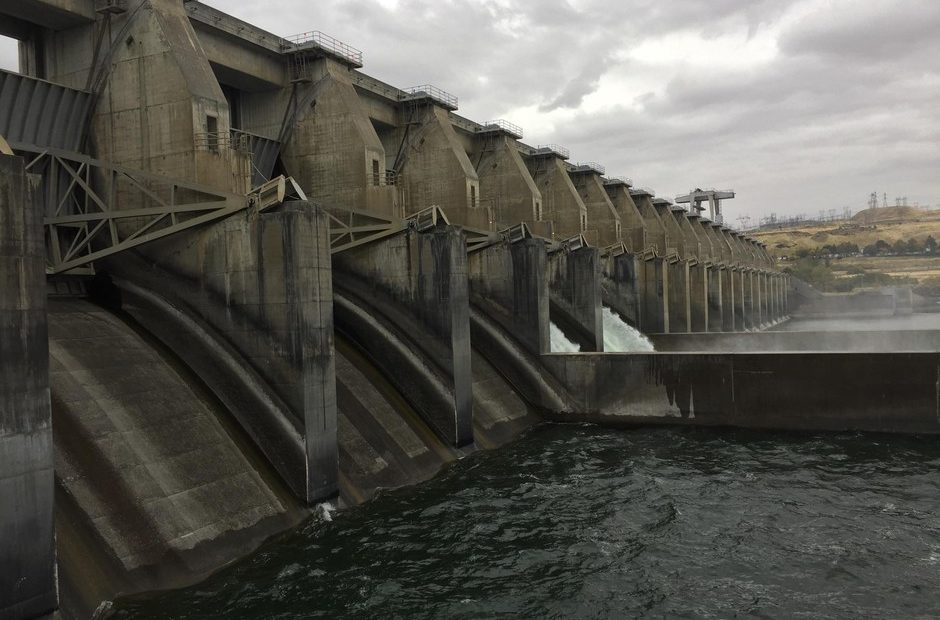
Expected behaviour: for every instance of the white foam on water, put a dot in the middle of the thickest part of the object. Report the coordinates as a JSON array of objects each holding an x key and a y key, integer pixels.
[
  {"x": 560, "y": 343},
  {"x": 620, "y": 337},
  {"x": 325, "y": 511}
]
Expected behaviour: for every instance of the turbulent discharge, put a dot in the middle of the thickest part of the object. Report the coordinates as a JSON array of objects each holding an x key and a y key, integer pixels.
[
  {"x": 620, "y": 337},
  {"x": 560, "y": 343}
]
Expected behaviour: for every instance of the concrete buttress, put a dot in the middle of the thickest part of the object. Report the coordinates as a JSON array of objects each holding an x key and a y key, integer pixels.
[
  {"x": 507, "y": 189},
  {"x": 433, "y": 167},
  {"x": 405, "y": 301},
  {"x": 560, "y": 200},
  {"x": 575, "y": 295},
  {"x": 603, "y": 220},
  {"x": 27, "y": 543},
  {"x": 333, "y": 150},
  {"x": 261, "y": 284}
]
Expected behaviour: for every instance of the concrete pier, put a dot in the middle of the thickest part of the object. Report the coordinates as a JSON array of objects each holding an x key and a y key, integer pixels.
[
  {"x": 574, "y": 278},
  {"x": 561, "y": 203},
  {"x": 27, "y": 543},
  {"x": 414, "y": 288},
  {"x": 508, "y": 280},
  {"x": 506, "y": 187},
  {"x": 261, "y": 285},
  {"x": 622, "y": 283},
  {"x": 603, "y": 220}
]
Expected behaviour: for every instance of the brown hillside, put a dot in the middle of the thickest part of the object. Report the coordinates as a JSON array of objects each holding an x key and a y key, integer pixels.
[{"x": 889, "y": 214}]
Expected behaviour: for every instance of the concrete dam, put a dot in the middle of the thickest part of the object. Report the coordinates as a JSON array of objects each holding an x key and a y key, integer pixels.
[{"x": 239, "y": 276}]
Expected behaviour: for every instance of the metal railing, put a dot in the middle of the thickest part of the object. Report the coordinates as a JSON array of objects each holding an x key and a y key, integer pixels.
[
  {"x": 590, "y": 166},
  {"x": 215, "y": 141},
  {"x": 546, "y": 149},
  {"x": 431, "y": 92},
  {"x": 328, "y": 43},
  {"x": 642, "y": 191},
  {"x": 619, "y": 181},
  {"x": 510, "y": 128}
]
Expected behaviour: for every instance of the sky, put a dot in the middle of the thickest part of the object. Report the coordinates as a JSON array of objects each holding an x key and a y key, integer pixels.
[{"x": 797, "y": 105}]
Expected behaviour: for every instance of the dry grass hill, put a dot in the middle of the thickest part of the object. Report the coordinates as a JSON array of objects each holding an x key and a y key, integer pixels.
[{"x": 889, "y": 224}]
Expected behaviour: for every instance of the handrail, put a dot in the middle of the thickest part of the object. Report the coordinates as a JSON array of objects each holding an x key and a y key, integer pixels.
[
  {"x": 326, "y": 42},
  {"x": 546, "y": 149},
  {"x": 504, "y": 125},
  {"x": 432, "y": 92}
]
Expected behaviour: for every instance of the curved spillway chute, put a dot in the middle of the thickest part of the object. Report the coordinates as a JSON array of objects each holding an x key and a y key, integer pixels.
[{"x": 519, "y": 368}]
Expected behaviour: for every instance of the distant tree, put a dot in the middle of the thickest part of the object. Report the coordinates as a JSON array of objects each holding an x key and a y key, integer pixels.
[
  {"x": 914, "y": 246},
  {"x": 930, "y": 245},
  {"x": 870, "y": 250},
  {"x": 900, "y": 246}
]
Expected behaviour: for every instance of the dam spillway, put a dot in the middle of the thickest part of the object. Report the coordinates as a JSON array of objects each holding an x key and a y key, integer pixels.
[{"x": 224, "y": 246}]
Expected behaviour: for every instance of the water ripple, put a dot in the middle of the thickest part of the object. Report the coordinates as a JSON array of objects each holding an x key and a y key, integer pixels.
[{"x": 581, "y": 522}]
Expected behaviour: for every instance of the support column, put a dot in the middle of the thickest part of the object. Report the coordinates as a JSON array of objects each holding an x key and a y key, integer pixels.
[
  {"x": 654, "y": 296},
  {"x": 507, "y": 281},
  {"x": 698, "y": 298},
  {"x": 416, "y": 284},
  {"x": 748, "y": 298},
  {"x": 27, "y": 541},
  {"x": 575, "y": 295},
  {"x": 621, "y": 285},
  {"x": 679, "y": 294},
  {"x": 716, "y": 305}
]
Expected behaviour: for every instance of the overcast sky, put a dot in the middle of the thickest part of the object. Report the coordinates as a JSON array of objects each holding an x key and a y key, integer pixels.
[{"x": 797, "y": 105}]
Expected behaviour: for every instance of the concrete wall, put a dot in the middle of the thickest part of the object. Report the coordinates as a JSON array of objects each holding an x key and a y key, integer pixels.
[
  {"x": 604, "y": 225},
  {"x": 679, "y": 282},
  {"x": 160, "y": 92},
  {"x": 622, "y": 285},
  {"x": 406, "y": 304},
  {"x": 506, "y": 187},
  {"x": 574, "y": 278},
  {"x": 657, "y": 237},
  {"x": 653, "y": 283},
  {"x": 632, "y": 226},
  {"x": 255, "y": 289},
  {"x": 333, "y": 150},
  {"x": 508, "y": 281},
  {"x": 27, "y": 545},
  {"x": 435, "y": 169},
  {"x": 880, "y": 392},
  {"x": 560, "y": 200}
]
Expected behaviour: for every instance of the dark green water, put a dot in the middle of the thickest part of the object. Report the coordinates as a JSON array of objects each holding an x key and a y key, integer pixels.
[{"x": 583, "y": 522}]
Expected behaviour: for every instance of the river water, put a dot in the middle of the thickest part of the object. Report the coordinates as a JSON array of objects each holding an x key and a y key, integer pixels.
[{"x": 584, "y": 522}]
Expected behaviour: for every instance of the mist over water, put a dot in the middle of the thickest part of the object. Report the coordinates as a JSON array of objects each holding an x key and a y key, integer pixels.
[
  {"x": 583, "y": 522},
  {"x": 910, "y": 322},
  {"x": 621, "y": 337}
]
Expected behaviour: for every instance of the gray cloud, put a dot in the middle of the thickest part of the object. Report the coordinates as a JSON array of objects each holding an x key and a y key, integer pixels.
[{"x": 846, "y": 106}]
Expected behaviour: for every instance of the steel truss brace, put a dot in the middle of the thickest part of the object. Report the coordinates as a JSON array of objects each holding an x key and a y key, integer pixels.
[{"x": 88, "y": 206}]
